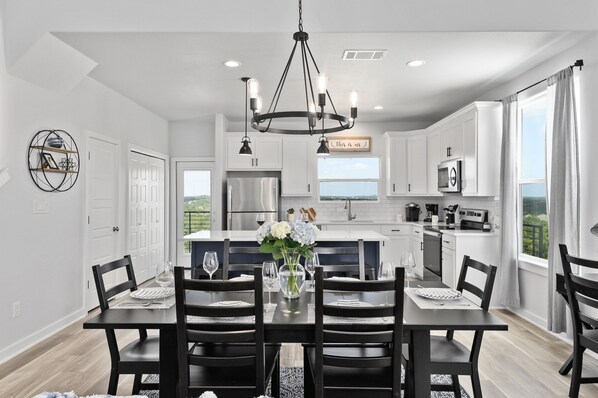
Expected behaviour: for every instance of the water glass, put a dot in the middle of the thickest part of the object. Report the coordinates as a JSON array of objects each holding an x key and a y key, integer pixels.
[
  {"x": 386, "y": 271},
  {"x": 165, "y": 276},
  {"x": 210, "y": 263},
  {"x": 408, "y": 262},
  {"x": 270, "y": 274},
  {"x": 310, "y": 267}
]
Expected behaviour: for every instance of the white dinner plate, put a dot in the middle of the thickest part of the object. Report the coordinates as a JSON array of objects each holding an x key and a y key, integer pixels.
[
  {"x": 439, "y": 293},
  {"x": 151, "y": 293}
]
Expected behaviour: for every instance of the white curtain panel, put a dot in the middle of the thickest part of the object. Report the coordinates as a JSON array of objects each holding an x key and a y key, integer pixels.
[
  {"x": 508, "y": 273},
  {"x": 563, "y": 187}
]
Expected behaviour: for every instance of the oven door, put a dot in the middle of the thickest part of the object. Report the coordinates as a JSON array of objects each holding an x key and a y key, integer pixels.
[
  {"x": 432, "y": 254},
  {"x": 449, "y": 176}
]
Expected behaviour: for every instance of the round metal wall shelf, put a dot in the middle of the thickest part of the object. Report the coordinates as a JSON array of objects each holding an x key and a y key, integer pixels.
[{"x": 53, "y": 160}]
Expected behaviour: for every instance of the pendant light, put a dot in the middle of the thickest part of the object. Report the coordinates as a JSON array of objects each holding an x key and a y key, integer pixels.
[{"x": 245, "y": 141}]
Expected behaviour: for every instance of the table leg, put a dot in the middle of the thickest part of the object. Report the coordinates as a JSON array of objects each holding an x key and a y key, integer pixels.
[
  {"x": 168, "y": 363},
  {"x": 419, "y": 355}
]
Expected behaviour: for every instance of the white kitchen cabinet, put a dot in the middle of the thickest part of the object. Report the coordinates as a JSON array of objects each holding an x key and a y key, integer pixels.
[
  {"x": 400, "y": 242},
  {"x": 417, "y": 165},
  {"x": 266, "y": 152},
  {"x": 406, "y": 166},
  {"x": 296, "y": 175},
  {"x": 433, "y": 159},
  {"x": 451, "y": 138},
  {"x": 417, "y": 247},
  {"x": 449, "y": 277}
]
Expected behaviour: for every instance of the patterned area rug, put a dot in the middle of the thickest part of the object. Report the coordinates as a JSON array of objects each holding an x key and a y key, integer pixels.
[{"x": 292, "y": 384}]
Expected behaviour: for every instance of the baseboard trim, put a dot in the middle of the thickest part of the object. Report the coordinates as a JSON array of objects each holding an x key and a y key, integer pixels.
[
  {"x": 24, "y": 344},
  {"x": 529, "y": 316}
]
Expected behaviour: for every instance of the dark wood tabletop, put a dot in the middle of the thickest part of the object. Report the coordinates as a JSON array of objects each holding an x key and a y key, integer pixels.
[{"x": 291, "y": 324}]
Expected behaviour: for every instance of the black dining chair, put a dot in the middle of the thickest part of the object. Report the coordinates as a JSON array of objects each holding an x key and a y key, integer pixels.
[
  {"x": 139, "y": 357},
  {"x": 241, "y": 257},
  {"x": 355, "y": 361},
  {"x": 582, "y": 291},
  {"x": 449, "y": 356},
  {"x": 348, "y": 260},
  {"x": 228, "y": 358}
]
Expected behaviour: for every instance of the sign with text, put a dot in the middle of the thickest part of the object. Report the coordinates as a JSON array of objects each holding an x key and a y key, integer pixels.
[{"x": 350, "y": 144}]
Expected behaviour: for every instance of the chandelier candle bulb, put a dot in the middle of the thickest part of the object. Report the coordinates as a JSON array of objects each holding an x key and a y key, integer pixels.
[{"x": 254, "y": 88}]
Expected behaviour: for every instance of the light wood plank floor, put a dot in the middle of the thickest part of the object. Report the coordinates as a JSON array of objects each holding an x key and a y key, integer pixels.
[{"x": 522, "y": 362}]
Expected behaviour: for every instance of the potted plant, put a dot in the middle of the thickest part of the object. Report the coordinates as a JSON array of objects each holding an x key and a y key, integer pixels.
[
  {"x": 289, "y": 241},
  {"x": 291, "y": 214}
]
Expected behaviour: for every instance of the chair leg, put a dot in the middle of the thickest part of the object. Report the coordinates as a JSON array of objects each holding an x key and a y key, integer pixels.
[
  {"x": 475, "y": 383},
  {"x": 275, "y": 380},
  {"x": 309, "y": 388},
  {"x": 576, "y": 372},
  {"x": 137, "y": 384},
  {"x": 113, "y": 382},
  {"x": 566, "y": 368},
  {"x": 409, "y": 380},
  {"x": 456, "y": 386}
]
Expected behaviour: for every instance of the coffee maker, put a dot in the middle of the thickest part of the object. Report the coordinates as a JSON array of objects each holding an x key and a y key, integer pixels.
[{"x": 431, "y": 210}]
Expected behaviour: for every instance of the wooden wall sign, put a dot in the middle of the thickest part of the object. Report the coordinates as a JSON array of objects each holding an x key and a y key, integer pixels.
[{"x": 350, "y": 144}]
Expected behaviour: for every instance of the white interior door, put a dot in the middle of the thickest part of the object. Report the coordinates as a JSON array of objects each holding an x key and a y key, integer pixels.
[
  {"x": 195, "y": 209},
  {"x": 102, "y": 191},
  {"x": 146, "y": 214}
]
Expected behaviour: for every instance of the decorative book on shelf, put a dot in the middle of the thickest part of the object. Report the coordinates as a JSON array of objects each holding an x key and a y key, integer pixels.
[{"x": 53, "y": 160}]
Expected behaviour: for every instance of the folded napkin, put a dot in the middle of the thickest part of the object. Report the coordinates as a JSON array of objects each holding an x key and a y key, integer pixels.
[{"x": 243, "y": 277}]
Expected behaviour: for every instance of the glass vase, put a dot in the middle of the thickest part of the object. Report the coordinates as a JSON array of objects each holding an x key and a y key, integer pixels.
[{"x": 291, "y": 275}]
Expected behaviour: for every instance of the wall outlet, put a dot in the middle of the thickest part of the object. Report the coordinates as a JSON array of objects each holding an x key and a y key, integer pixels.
[
  {"x": 16, "y": 309},
  {"x": 41, "y": 206}
]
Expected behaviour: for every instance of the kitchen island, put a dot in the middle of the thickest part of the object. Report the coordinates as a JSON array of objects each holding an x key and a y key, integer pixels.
[{"x": 214, "y": 241}]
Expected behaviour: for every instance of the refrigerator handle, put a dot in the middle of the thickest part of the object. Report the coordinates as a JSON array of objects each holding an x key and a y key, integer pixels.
[
  {"x": 229, "y": 198},
  {"x": 229, "y": 222}
]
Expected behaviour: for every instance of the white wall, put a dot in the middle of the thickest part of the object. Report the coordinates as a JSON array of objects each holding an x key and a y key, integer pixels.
[
  {"x": 533, "y": 280},
  {"x": 191, "y": 138},
  {"x": 41, "y": 256}
]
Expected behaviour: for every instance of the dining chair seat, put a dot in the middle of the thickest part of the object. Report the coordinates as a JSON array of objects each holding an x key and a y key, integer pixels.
[
  {"x": 443, "y": 351},
  {"x": 242, "y": 376},
  {"x": 146, "y": 350},
  {"x": 367, "y": 378}
]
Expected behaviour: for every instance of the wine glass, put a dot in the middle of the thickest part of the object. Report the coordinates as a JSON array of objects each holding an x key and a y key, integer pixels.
[
  {"x": 260, "y": 218},
  {"x": 270, "y": 274},
  {"x": 310, "y": 267},
  {"x": 210, "y": 263},
  {"x": 386, "y": 271},
  {"x": 165, "y": 276},
  {"x": 408, "y": 262}
]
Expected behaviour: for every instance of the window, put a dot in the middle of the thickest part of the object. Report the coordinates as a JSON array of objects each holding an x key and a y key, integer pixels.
[
  {"x": 533, "y": 213},
  {"x": 354, "y": 178}
]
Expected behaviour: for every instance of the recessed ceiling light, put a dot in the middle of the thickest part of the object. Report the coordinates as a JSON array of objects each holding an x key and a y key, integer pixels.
[
  {"x": 378, "y": 107},
  {"x": 416, "y": 62},
  {"x": 232, "y": 63}
]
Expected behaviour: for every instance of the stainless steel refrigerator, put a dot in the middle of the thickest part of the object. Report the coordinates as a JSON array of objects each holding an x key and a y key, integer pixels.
[{"x": 246, "y": 197}]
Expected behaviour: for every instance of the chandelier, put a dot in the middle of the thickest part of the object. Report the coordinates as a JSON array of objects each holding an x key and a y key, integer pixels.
[{"x": 263, "y": 121}]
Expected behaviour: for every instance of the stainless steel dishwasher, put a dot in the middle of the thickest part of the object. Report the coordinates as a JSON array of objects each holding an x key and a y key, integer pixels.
[{"x": 432, "y": 253}]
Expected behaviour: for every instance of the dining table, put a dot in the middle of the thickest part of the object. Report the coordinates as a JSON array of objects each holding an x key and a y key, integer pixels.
[{"x": 293, "y": 322}]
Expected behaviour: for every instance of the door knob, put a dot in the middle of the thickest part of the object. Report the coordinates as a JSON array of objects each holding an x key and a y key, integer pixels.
[{"x": 115, "y": 229}]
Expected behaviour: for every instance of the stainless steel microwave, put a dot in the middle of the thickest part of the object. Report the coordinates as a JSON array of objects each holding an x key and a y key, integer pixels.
[{"x": 449, "y": 176}]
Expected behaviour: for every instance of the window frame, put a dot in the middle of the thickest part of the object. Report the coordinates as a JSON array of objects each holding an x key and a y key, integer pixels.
[
  {"x": 349, "y": 156},
  {"x": 538, "y": 94}
]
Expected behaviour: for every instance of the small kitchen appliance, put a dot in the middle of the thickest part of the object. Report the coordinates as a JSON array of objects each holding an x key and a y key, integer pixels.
[
  {"x": 449, "y": 213},
  {"x": 412, "y": 212},
  {"x": 431, "y": 210}
]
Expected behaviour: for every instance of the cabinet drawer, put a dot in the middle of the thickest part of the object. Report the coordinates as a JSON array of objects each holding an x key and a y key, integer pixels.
[
  {"x": 448, "y": 241},
  {"x": 418, "y": 232},
  {"x": 395, "y": 229}
]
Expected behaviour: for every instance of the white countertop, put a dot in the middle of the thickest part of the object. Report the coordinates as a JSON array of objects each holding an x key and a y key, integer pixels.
[{"x": 323, "y": 236}]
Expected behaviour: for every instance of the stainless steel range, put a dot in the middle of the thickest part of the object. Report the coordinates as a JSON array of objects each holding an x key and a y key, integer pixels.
[{"x": 471, "y": 219}]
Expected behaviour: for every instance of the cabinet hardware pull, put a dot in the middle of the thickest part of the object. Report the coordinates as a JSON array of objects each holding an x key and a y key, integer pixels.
[
  {"x": 257, "y": 161},
  {"x": 393, "y": 187},
  {"x": 447, "y": 152},
  {"x": 308, "y": 187},
  {"x": 383, "y": 244},
  {"x": 395, "y": 230},
  {"x": 409, "y": 187},
  {"x": 252, "y": 160},
  {"x": 446, "y": 241},
  {"x": 421, "y": 245}
]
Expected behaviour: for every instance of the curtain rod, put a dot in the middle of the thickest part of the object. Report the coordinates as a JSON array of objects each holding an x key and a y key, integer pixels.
[{"x": 577, "y": 64}]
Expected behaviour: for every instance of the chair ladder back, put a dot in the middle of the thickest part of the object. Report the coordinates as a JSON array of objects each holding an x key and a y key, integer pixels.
[
  {"x": 194, "y": 334},
  {"x": 228, "y": 266},
  {"x": 358, "y": 251},
  {"x": 388, "y": 334}
]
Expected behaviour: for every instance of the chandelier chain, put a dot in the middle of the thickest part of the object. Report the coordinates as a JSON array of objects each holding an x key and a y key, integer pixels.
[{"x": 300, "y": 16}]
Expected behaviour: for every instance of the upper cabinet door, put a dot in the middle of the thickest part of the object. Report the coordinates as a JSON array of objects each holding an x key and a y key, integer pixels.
[
  {"x": 268, "y": 153},
  {"x": 433, "y": 149},
  {"x": 234, "y": 161},
  {"x": 417, "y": 165},
  {"x": 452, "y": 140},
  {"x": 296, "y": 176},
  {"x": 396, "y": 167}
]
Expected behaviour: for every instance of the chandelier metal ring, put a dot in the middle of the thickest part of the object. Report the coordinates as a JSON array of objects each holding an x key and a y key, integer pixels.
[{"x": 345, "y": 122}]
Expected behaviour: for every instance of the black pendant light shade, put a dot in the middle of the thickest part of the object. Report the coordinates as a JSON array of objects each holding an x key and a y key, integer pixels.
[
  {"x": 245, "y": 148},
  {"x": 594, "y": 230},
  {"x": 323, "y": 148}
]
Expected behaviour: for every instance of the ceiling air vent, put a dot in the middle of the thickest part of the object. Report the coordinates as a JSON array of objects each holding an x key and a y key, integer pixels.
[{"x": 363, "y": 55}]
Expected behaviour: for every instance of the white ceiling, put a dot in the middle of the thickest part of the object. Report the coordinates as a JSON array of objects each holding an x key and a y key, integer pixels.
[{"x": 180, "y": 76}]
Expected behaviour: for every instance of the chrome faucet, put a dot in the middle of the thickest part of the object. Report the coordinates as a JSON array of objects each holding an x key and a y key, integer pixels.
[{"x": 348, "y": 208}]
